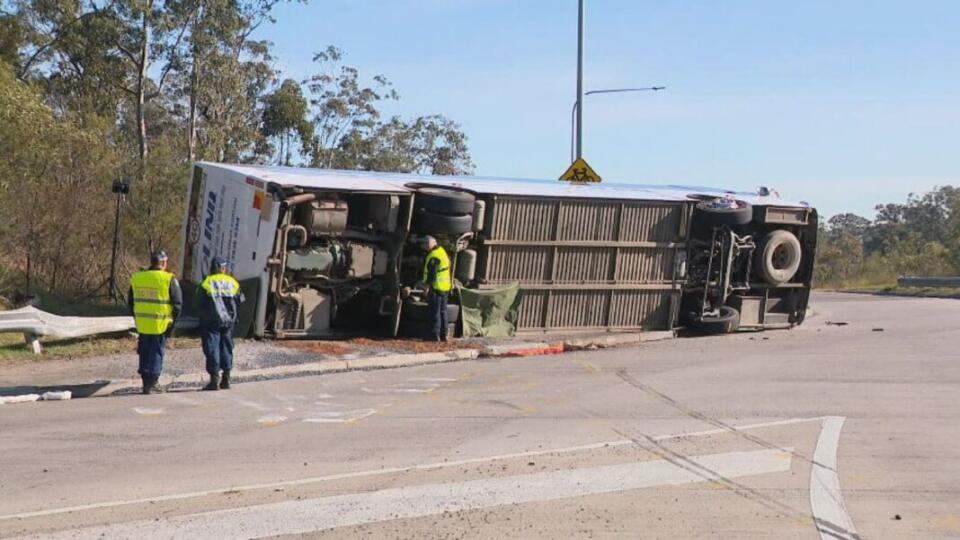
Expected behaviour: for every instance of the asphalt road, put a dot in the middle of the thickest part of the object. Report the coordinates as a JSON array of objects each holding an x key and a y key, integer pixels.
[{"x": 824, "y": 431}]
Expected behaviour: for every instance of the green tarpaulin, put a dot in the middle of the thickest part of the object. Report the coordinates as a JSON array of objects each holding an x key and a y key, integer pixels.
[{"x": 490, "y": 313}]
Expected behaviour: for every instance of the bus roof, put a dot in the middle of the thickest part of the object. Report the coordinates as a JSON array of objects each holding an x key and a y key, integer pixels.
[{"x": 332, "y": 179}]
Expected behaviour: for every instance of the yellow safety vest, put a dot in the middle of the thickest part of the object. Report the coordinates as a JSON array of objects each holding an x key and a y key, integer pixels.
[
  {"x": 220, "y": 285},
  {"x": 152, "y": 309},
  {"x": 442, "y": 283}
]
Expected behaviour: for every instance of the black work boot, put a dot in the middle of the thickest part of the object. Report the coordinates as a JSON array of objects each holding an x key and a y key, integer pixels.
[
  {"x": 146, "y": 384},
  {"x": 153, "y": 387},
  {"x": 225, "y": 380},
  {"x": 214, "y": 383}
]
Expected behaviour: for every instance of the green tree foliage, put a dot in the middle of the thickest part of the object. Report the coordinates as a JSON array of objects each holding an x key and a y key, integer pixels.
[
  {"x": 285, "y": 116},
  {"x": 53, "y": 173},
  {"x": 11, "y": 38},
  {"x": 94, "y": 91},
  {"x": 918, "y": 237},
  {"x": 350, "y": 134}
]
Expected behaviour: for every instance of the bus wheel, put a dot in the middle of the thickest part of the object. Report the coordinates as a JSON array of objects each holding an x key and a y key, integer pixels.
[
  {"x": 430, "y": 223},
  {"x": 778, "y": 257},
  {"x": 710, "y": 214},
  {"x": 444, "y": 201},
  {"x": 726, "y": 322}
]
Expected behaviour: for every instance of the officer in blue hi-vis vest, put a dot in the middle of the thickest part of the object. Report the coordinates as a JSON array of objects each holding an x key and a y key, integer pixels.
[{"x": 219, "y": 298}]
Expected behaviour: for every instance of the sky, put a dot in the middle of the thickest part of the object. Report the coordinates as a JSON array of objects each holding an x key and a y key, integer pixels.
[{"x": 844, "y": 104}]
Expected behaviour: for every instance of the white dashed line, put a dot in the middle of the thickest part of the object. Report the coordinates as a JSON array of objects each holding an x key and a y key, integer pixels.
[
  {"x": 340, "y": 417},
  {"x": 148, "y": 411},
  {"x": 394, "y": 470},
  {"x": 271, "y": 420}
]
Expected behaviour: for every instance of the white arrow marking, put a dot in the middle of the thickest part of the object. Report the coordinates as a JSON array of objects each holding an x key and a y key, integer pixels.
[
  {"x": 826, "y": 501},
  {"x": 305, "y": 516}
]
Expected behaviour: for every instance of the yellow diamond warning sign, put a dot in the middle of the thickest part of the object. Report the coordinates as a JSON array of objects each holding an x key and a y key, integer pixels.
[{"x": 580, "y": 171}]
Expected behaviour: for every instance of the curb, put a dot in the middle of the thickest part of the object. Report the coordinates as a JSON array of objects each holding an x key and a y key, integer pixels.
[
  {"x": 497, "y": 350},
  {"x": 191, "y": 380}
]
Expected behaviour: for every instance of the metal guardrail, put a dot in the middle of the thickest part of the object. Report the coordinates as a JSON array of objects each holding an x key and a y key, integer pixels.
[
  {"x": 33, "y": 323},
  {"x": 933, "y": 282}
]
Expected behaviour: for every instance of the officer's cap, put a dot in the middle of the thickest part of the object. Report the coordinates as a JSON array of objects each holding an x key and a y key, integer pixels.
[{"x": 158, "y": 257}]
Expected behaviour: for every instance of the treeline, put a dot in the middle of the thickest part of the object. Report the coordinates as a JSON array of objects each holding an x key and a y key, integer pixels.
[
  {"x": 97, "y": 91},
  {"x": 919, "y": 237}
]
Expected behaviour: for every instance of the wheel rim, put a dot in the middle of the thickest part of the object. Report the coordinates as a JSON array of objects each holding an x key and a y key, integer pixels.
[{"x": 781, "y": 258}]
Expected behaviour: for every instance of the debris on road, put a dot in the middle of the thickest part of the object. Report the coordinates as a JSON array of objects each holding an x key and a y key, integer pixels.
[
  {"x": 57, "y": 395},
  {"x": 837, "y": 323}
]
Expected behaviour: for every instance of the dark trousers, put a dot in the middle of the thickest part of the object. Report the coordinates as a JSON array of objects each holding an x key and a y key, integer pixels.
[
  {"x": 217, "y": 348},
  {"x": 150, "y": 349},
  {"x": 438, "y": 316}
]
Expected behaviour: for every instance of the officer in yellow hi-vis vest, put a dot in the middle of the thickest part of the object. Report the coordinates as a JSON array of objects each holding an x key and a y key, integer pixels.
[
  {"x": 155, "y": 302},
  {"x": 220, "y": 298},
  {"x": 438, "y": 281}
]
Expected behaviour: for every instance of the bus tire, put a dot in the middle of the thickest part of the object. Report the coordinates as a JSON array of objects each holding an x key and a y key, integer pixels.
[
  {"x": 726, "y": 322},
  {"x": 415, "y": 310},
  {"x": 431, "y": 223},
  {"x": 778, "y": 257},
  {"x": 707, "y": 215},
  {"x": 444, "y": 201}
]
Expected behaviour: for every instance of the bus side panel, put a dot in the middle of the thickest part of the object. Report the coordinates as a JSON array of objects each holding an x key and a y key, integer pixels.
[{"x": 231, "y": 216}]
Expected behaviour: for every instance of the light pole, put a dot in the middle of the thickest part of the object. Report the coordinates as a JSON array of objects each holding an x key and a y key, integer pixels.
[
  {"x": 119, "y": 188},
  {"x": 577, "y": 116},
  {"x": 578, "y": 111}
]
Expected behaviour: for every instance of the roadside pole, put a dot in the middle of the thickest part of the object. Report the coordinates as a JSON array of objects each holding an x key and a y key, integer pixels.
[{"x": 580, "y": 80}]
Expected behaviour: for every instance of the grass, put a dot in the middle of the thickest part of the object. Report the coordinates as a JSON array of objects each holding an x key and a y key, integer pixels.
[{"x": 13, "y": 348}]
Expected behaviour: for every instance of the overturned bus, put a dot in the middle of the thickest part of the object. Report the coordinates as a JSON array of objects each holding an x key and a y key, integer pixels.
[{"x": 325, "y": 252}]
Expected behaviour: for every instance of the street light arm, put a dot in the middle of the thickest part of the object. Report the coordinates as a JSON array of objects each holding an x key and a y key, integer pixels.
[
  {"x": 617, "y": 90},
  {"x": 573, "y": 113}
]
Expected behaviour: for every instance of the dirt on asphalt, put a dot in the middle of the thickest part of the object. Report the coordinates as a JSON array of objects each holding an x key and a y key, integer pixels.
[{"x": 361, "y": 344}]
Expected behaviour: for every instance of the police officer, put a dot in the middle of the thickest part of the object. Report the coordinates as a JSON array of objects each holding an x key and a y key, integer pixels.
[
  {"x": 155, "y": 302},
  {"x": 220, "y": 298},
  {"x": 437, "y": 280}
]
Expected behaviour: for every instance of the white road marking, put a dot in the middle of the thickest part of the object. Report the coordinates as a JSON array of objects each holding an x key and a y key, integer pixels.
[
  {"x": 340, "y": 417},
  {"x": 252, "y": 405},
  {"x": 178, "y": 398},
  {"x": 826, "y": 500},
  {"x": 305, "y": 516},
  {"x": 148, "y": 411},
  {"x": 398, "y": 390},
  {"x": 271, "y": 419},
  {"x": 394, "y": 470}
]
